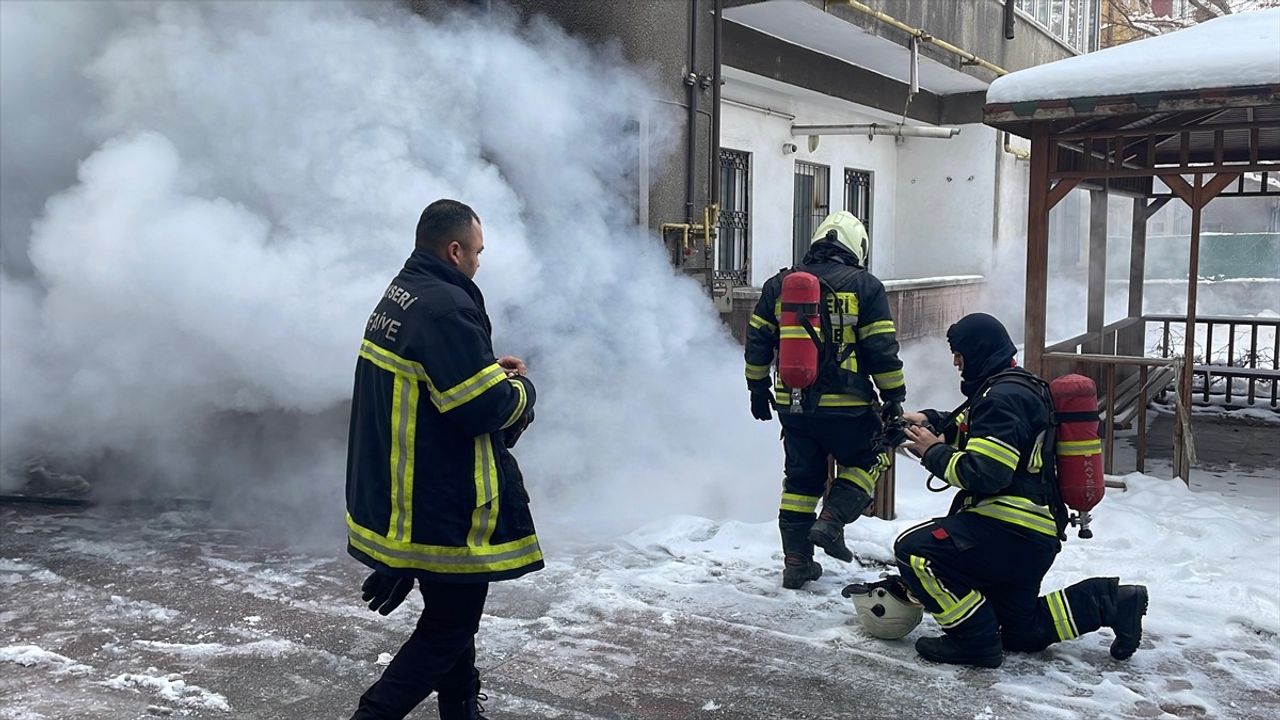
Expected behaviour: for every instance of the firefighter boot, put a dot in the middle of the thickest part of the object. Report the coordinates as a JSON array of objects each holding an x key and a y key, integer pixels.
[
  {"x": 799, "y": 567},
  {"x": 974, "y": 641},
  {"x": 977, "y": 652},
  {"x": 1126, "y": 609},
  {"x": 466, "y": 707},
  {"x": 845, "y": 502}
]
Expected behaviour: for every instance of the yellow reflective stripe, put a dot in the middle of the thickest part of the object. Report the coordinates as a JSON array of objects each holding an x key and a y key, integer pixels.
[
  {"x": 797, "y": 332},
  {"x": 1085, "y": 448},
  {"x": 522, "y": 401},
  {"x": 392, "y": 362},
  {"x": 1018, "y": 511},
  {"x": 395, "y": 528},
  {"x": 876, "y": 328},
  {"x": 851, "y": 363},
  {"x": 859, "y": 477},
  {"x": 961, "y": 611},
  {"x": 443, "y": 558},
  {"x": 952, "y": 474},
  {"x": 761, "y": 324},
  {"x": 404, "y": 428},
  {"x": 994, "y": 449},
  {"x": 943, "y": 596},
  {"x": 1060, "y": 611},
  {"x": 889, "y": 380},
  {"x": 799, "y": 503},
  {"x": 469, "y": 389},
  {"x": 485, "y": 517},
  {"x": 757, "y": 372},
  {"x": 1036, "y": 463},
  {"x": 838, "y": 400}
]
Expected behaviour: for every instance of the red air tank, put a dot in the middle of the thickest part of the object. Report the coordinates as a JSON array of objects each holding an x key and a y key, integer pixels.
[
  {"x": 797, "y": 352},
  {"x": 1079, "y": 450}
]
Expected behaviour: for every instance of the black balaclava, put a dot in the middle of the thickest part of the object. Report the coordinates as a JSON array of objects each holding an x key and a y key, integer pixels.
[{"x": 985, "y": 346}]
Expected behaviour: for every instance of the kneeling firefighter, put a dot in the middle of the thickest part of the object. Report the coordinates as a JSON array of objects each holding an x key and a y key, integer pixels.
[
  {"x": 978, "y": 570},
  {"x": 826, "y": 322}
]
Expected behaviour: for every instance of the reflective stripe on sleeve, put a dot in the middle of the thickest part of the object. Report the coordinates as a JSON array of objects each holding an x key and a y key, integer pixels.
[
  {"x": 996, "y": 449},
  {"x": 757, "y": 372},
  {"x": 760, "y": 323},
  {"x": 876, "y": 328},
  {"x": 889, "y": 380}
]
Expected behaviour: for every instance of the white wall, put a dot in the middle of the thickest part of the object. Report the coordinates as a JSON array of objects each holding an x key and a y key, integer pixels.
[
  {"x": 923, "y": 224},
  {"x": 773, "y": 171},
  {"x": 946, "y": 191}
]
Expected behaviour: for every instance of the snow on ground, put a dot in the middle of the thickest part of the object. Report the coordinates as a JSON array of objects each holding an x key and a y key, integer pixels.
[{"x": 682, "y": 618}]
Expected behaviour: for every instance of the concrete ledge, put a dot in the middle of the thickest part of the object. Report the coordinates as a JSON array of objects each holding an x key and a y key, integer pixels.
[{"x": 932, "y": 282}]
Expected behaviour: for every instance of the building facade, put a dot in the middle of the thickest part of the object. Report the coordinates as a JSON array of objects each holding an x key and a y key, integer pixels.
[{"x": 743, "y": 184}]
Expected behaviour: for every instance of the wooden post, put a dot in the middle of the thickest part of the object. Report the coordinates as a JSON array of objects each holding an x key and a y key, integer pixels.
[
  {"x": 1037, "y": 248},
  {"x": 883, "y": 501},
  {"x": 1136, "y": 336},
  {"x": 1095, "y": 304},
  {"x": 1188, "y": 356}
]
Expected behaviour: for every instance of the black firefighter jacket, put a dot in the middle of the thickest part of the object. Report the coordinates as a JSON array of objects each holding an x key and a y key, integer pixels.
[
  {"x": 861, "y": 326},
  {"x": 995, "y": 455},
  {"x": 431, "y": 487}
]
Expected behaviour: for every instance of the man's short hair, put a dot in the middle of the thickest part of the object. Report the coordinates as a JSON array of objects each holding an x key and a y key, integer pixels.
[{"x": 443, "y": 222}]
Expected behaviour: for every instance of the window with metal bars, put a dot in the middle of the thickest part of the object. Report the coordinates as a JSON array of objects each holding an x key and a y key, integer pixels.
[
  {"x": 735, "y": 205},
  {"x": 812, "y": 204},
  {"x": 857, "y": 200}
]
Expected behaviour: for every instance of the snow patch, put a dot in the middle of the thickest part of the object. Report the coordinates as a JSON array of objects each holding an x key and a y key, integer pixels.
[
  {"x": 35, "y": 656},
  {"x": 171, "y": 687}
]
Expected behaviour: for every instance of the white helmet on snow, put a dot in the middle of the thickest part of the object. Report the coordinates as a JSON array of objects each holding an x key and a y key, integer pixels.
[
  {"x": 885, "y": 608},
  {"x": 849, "y": 232}
]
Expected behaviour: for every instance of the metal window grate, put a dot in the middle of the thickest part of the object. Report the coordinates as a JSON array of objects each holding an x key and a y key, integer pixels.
[
  {"x": 733, "y": 252},
  {"x": 812, "y": 204},
  {"x": 857, "y": 200}
]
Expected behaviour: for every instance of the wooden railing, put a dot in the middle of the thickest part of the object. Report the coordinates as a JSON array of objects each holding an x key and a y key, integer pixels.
[
  {"x": 1240, "y": 356},
  {"x": 1152, "y": 374}
]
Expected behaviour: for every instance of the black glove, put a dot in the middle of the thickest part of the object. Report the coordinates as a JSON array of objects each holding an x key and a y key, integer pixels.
[
  {"x": 511, "y": 435},
  {"x": 384, "y": 592},
  {"x": 761, "y": 405},
  {"x": 890, "y": 411}
]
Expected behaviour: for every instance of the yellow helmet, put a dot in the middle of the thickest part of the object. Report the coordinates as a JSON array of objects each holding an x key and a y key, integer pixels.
[{"x": 849, "y": 232}]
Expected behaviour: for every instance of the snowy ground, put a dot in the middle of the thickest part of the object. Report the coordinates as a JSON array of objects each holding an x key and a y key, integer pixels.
[{"x": 129, "y": 613}]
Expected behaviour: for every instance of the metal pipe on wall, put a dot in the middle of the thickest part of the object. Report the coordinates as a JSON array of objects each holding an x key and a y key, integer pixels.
[
  {"x": 691, "y": 82},
  {"x": 924, "y": 36},
  {"x": 714, "y": 194},
  {"x": 870, "y": 129}
]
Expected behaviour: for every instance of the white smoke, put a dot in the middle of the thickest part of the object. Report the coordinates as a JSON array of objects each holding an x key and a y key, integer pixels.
[{"x": 202, "y": 203}]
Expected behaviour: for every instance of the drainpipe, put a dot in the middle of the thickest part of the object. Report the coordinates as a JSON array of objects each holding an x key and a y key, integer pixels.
[
  {"x": 923, "y": 36},
  {"x": 715, "y": 106},
  {"x": 1016, "y": 152},
  {"x": 691, "y": 82}
]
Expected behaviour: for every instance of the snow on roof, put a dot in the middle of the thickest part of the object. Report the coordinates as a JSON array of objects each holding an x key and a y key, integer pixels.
[{"x": 1235, "y": 50}]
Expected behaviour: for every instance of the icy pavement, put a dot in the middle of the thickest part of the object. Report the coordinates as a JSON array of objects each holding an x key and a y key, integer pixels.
[{"x": 117, "y": 613}]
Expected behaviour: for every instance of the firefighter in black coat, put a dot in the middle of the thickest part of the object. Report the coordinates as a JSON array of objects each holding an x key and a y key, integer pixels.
[
  {"x": 837, "y": 417},
  {"x": 433, "y": 492},
  {"x": 978, "y": 570}
]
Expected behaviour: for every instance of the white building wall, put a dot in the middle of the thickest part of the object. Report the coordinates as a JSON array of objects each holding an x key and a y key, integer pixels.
[
  {"x": 923, "y": 225},
  {"x": 946, "y": 190},
  {"x": 773, "y": 169}
]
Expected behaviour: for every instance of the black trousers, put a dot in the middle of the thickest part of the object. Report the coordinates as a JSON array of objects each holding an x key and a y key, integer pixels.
[
  {"x": 440, "y": 655},
  {"x": 980, "y": 577},
  {"x": 809, "y": 439}
]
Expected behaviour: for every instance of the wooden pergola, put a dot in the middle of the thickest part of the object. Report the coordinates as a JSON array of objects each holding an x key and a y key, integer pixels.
[{"x": 1201, "y": 144}]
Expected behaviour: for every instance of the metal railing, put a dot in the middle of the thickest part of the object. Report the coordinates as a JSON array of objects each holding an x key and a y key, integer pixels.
[{"x": 1239, "y": 356}]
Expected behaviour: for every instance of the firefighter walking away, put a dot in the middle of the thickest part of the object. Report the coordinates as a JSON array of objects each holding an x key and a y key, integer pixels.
[
  {"x": 824, "y": 327},
  {"x": 434, "y": 495},
  {"x": 978, "y": 570}
]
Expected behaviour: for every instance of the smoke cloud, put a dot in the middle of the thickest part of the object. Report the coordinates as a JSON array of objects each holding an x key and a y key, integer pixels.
[{"x": 202, "y": 203}]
